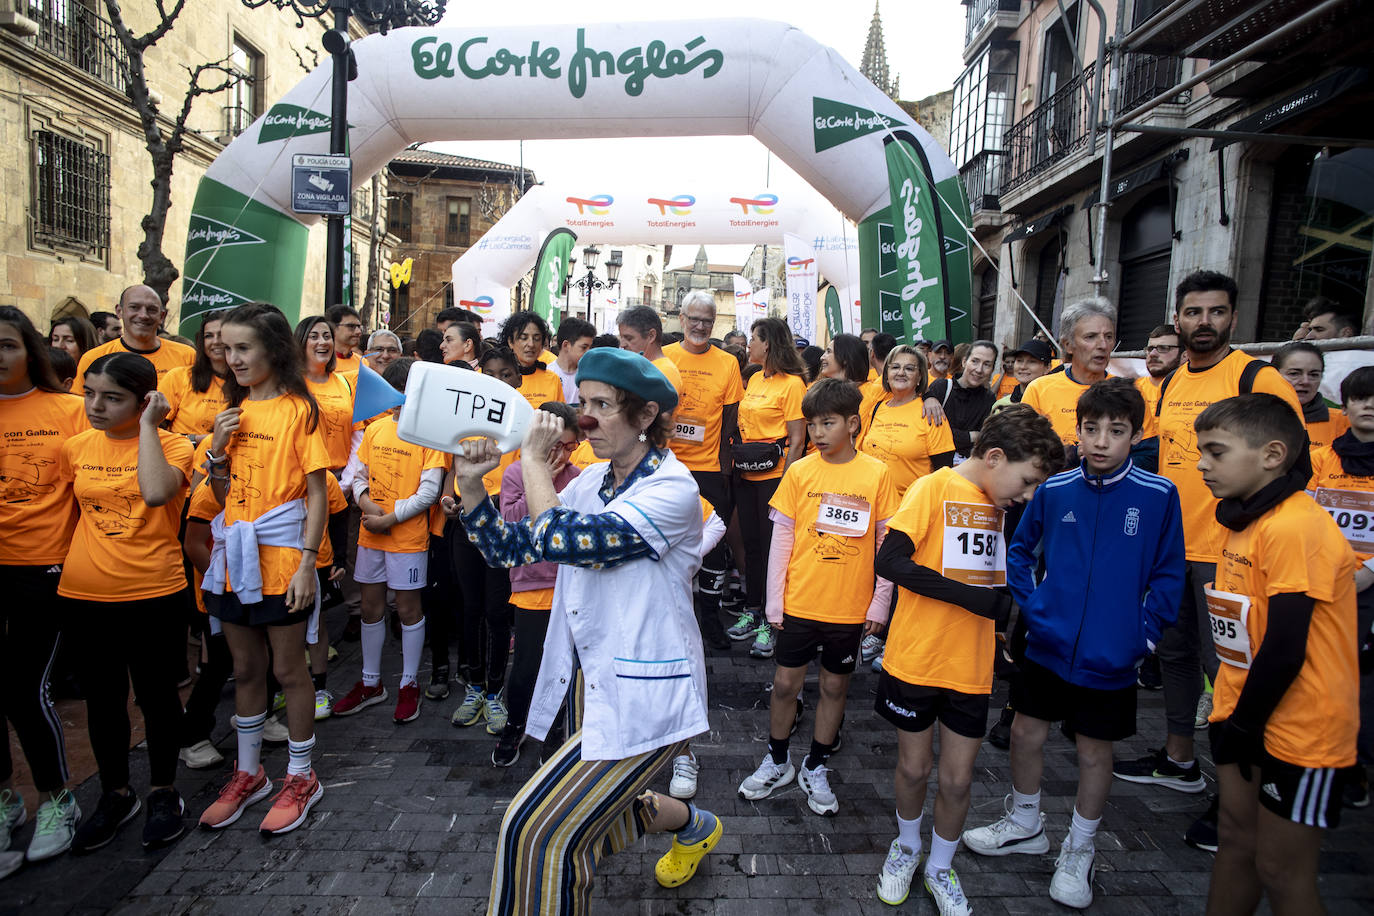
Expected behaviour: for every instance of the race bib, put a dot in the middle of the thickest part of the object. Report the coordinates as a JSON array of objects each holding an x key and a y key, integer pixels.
[
  {"x": 972, "y": 552},
  {"x": 1353, "y": 513},
  {"x": 689, "y": 430},
  {"x": 1230, "y": 614},
  {"x": 843, "y": 515}
]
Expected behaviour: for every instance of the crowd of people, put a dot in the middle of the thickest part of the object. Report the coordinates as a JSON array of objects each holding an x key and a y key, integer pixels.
[{"x": 1202, "y": 529}]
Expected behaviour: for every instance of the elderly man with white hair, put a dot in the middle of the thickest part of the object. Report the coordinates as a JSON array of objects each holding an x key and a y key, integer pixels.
[{"x": 383, "y": 349}]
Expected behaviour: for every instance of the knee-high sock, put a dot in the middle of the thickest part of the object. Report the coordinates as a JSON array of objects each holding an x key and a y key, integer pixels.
[
  {"x": 412, "y": 647},
  {"x": 249, "y": 730},
  {"x": 374, "y": 636}
]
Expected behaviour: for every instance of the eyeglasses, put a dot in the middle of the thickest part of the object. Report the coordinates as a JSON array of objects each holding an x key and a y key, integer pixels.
[
  {"x": 1161, "y": 348},
  {"x": 568, "y": 447},
  {"x": 702, "y": 322}
]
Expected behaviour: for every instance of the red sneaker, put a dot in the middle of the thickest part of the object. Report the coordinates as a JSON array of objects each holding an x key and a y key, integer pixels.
[
  {"x": 242, "y": 790},
  {"x": 359, "y": 698},
  {"x": 408, "y": 703},
  {"x": 293, "y": 803}
]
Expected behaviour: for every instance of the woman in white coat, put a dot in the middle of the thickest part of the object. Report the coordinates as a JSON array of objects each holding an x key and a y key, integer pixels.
[{"x": 623, "y": 646}]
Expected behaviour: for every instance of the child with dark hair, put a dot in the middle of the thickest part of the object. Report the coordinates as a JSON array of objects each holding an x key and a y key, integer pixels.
[
  {"x": 1285, "y": 711},
  {"x": 1107, "y": 539},
  {"x": 62, "y": 364}
]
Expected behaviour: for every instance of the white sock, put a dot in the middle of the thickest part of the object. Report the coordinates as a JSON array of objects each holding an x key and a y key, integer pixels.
[
  {"x": 909, "y": 833},
  {"x": 1185, "y": 764},
  {"x": 1025, "y": 810},
  {"x": 412, "y": 647},
  {"x": 299, "y": 764},
  {"x": 941, "y": 853},
  {"x": 249, "y": 730},
  {"x": 374, "y": 637},
  {"x": 1082, "y": 831}
]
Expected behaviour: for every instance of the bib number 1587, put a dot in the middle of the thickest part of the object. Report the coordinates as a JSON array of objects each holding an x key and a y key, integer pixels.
[{"x": 978, "y": 544}]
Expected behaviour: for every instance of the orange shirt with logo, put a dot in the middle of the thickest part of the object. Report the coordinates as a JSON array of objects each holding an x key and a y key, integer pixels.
[
  {"x": 835, "y": 510},
  {"x": 541, "y": 385},
  {"x": 1295, "y": 547},
  {"x": 37, "y": 512},
  {"x": 1055, "y": 397},
  {"x": 393, "y": 472},
  {"x": 123, "y": 549},
  {"x": 582, "y": 457},
  {"x": 1323, "y": 433},
  {"x": 168, "y": 355},
  {"x": 1148, "y": 386},
  {"x": 935, "y": 643},
  {"x": 335, "y": 397},
  {"x": 873, "y": 394},
  {"x": 193, "y": 412},
  {"x": 710, "y": 383},
  {"x": 1347, "y": 498},
  {"x": 669, "y": 369},
  {"x": 270, "y": 455},
  {"x": 901, "y": 438},
  {"x": 1190, "y": 392},
  {"x": 769, "y": 404}
]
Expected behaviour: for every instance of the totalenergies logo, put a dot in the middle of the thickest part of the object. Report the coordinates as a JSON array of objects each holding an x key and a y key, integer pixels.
[
  {"x": 481, "y": 305},
  {"x": 760, "y": 206},
  {"x": 599, "y": 205},
  {"x": 678, "y": 206},
  {"x": 796, "y": 264},
  {"x": 743, "y": 295}
]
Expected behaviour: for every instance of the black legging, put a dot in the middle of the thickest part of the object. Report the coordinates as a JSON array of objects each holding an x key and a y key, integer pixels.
[
  {"x": 117, "y": 641},
  {"x": 198, "y": 721},
  {"x": 482, "y": 662},
  {"x": 530, "y": 629},
  {"x": 751, "y": 500},
  {"x": 715, "y": 489},
  {"x": 438, "y": 598},
  {"x": 30, "y": 630}
]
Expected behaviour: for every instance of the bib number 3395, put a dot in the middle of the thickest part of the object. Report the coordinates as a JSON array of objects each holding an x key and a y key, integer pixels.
[
  {"x": 1230, "y": 615},
  {"x": 973, "y": 551}
]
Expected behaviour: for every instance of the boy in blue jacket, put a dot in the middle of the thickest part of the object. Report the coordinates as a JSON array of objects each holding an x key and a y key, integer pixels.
[{"x": 1109, "y": 539}]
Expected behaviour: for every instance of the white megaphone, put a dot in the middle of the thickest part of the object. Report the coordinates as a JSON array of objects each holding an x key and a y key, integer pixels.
[{"x": 445, "y": 405}]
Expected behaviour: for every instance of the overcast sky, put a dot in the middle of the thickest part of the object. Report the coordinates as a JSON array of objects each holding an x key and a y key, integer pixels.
[{"x": 924, "y": 44}]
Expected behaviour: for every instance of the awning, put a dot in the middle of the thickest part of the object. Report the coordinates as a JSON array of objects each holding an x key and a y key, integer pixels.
[
  {"x": 1131, "y": 181},
  {"x": 1300, "y": 102},
  {"x": 1036, "y": 226}
]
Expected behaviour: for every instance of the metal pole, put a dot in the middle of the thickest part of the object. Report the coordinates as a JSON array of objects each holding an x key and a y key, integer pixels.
[
  {"x": 1099, "y": 279},
  {"x": 1149, "y": 25},
  {"x": 338, "y": 144},
  {"x": 1248, "y": 136}
]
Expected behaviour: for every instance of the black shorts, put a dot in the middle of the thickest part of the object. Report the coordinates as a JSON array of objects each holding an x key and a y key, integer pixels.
[
  {"x": 1303, "y": 795},
  {"x": 915, "y": 708},
  {"x": 799, "y": 639},
  {"x": 1107, "y": 715},
  {"x": 271, "y": 611}
]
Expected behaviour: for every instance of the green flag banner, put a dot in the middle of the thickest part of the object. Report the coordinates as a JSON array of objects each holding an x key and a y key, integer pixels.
[
  {"x": 551, "y": 274},
  {"x": 917, "y": 243},
  {"x": 834, "y": 313}
]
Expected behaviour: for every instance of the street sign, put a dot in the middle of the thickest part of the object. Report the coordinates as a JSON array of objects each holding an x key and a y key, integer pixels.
[{"x": 321, "y": 184}]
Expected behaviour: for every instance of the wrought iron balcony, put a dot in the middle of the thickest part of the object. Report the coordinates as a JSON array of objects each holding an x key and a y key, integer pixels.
[
  {"x": 983, "y": 179},
  {"x": 980, "y": 12},
  {"x": 1144, "y": 76},
  {"x": 81, "y": 37},
  {"x": 1055, "y": 128}
]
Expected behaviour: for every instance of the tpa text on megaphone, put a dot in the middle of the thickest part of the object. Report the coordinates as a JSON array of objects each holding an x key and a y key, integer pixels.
[{"x": 445, "y": 405}]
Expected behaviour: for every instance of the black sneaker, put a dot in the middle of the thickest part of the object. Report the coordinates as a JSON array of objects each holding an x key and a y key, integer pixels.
[
  {"x": 1148, "y": 677},
  {"x": 1355, "y": 791},
  {"x": 507, "y": 749},
  {"x": 438, "y": 684},
  {"x": 113, "y": 812},
  {"x": 999, "y": 736},
  {"x": 1202, "y": 834},
  {"x": 166, "y": 820},
  {"x": 555, "y": 739},
  {"x": 1156, "y": 769}
]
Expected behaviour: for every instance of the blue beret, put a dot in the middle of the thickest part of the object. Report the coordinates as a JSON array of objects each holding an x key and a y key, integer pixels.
[{"x": 628, "y": 371}]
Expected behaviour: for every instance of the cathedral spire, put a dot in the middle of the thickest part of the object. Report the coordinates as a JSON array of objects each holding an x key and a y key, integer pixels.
[{"x": 874, "y": 62}]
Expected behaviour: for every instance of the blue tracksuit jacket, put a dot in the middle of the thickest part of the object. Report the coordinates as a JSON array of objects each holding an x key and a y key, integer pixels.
[{"x": 1113, "y": 557}]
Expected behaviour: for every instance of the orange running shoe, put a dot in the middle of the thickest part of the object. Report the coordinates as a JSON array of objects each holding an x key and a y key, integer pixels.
[
  {"x": 293, "y": 803},
  {"x": 242, "y": 790}
]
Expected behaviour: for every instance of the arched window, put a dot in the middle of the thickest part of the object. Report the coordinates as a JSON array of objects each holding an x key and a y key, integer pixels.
[{"x": 1146, "y": 249}]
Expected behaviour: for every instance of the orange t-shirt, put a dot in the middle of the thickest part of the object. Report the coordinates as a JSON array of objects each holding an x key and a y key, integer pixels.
[
  {"x": 1296, "y": 547},
  {"x": 1148, "y": 386},
  {"x": 203, "y": 507},
  {"x": 835, "y": 510},
  {"x": 710, "y": 383},
  {"x": 193, "y": 412},
  {"x": 541, "y": 385},
  {"x": 123, "y": 549},
  {"x": 582, "y": 457},
  {"x": 270, "y": 455},
  {"x": 1348, "y": 498},
  {"x": 335, "y": 397},
  {"x": 393, "y": 472},
  {"x": 769, "y": 404},
  {"x": 1190, "y": 392},
  {"x": 935, "y": 643},
  {"x": 1323, "y": 433},
  {"x": 873, "y": 394},
  {"x": 1006, "y": 384},
  {"x": 347, "y": 366},
  {"x": 337, "y": 502},
  {"x": 1055, "y": 397},
  {"x": 901, "y": 438},
  {"x": 670, "y": 372},
  {"x": 165, "y": 358},
  {"x": 539, "y": 599},
  {"x": 37, "y": 512}
]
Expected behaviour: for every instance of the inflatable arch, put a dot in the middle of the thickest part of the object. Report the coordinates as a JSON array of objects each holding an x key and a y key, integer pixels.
[
  {"x": 689, "y": 78},
  {"x": 488, "y": 271}
]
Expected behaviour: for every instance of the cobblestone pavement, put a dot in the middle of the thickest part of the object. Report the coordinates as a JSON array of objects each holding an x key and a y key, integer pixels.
[{"x": 410, "y": 815}]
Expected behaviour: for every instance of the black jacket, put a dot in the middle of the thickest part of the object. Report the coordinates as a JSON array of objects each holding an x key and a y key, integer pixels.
[{"x": 965, "y": 410}]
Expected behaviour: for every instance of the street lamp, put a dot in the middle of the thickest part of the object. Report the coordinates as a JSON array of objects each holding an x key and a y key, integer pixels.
[
  {"x": 381, "y": 15},
  {"x": 591, "y": 282}
]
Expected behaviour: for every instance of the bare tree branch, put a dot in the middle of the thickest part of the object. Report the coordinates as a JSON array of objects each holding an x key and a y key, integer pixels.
[{"x": 164, "y": 24}]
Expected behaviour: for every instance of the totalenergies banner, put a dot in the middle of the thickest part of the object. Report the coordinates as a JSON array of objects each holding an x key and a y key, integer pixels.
[
  {"x": 744, "y": 303},
  {"x": 801, "y": 281},
  {"x": 801, "y": 99}
]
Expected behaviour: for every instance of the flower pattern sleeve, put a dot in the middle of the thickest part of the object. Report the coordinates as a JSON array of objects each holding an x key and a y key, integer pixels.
[{"x": 560, "y": 535}]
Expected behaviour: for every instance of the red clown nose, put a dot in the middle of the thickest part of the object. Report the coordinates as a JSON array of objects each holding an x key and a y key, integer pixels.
[{"x": 587, "y": 423}]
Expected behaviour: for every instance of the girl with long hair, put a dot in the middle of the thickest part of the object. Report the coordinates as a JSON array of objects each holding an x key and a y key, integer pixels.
[
  {"x": 196, "y": 392},
  {"x": 74, "y": 334},
  {"x": 462, "y": 345}
]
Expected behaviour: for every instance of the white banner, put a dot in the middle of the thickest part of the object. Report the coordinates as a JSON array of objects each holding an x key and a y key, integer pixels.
[
  {"x": 800, "y": 273},
  {"x": 744, "y": 304},
  {"x": 760, "y": 310},
  {"x": 849, "y": 309}
]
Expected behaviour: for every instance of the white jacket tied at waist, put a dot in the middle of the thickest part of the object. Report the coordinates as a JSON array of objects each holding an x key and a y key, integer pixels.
[
  {"x": 631, "y": 627},
  {"x": 234, "y": 555}
]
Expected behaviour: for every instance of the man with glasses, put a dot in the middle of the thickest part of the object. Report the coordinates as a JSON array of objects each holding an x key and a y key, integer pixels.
[
  {"x": 140, "y": 313},
  {"x": 348, "y": 334},
  {"x": 1162, "y": 356}
]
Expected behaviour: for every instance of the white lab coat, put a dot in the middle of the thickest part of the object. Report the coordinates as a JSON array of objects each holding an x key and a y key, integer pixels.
[{"x": 632, "y": 626}]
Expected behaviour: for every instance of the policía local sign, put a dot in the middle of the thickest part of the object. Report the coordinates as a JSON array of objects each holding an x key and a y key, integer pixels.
[{"x": 321, "y": 184}]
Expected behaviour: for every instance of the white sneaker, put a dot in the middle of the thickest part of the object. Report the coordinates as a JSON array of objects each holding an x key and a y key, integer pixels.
[
  {"x": 816, "y": 784},
  {"x": 1004, "y": 837},
  {"x": 870, "y": 648},
  {"x": 684, "y": 782},
  {"x": 894, "y": 881},
  {"x": 324, "y": 704},
  {"x": 57, "y": 819},
  {"x": 275, "y": 732},
  {"x": 1204, "y": 710},
  {"x": 1072, "y": 884},
  {"x": 201, "y": 755},
  {"x": 769, "y": 776},
  {"x": 12, "y": 814},
  {"x": 10, "y": 862},
  {"x": 948, "y": 893}
]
